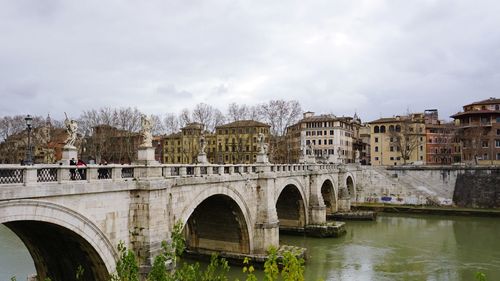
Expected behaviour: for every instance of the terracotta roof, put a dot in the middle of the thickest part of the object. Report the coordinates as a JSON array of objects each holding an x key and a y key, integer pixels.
[
  {"x": 243, "y": 123},
  {"x": 475, "y": 112},
  {"x": 485, "y": 102}
]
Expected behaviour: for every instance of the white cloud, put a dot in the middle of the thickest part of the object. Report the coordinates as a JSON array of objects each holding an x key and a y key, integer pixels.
[{"x": 373, "y": 56}]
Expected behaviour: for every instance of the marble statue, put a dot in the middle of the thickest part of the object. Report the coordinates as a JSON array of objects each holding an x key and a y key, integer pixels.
[
  {"x": 146, "y": 126},
  {"x": 71, "y": 130},
  {"x": 263, "y": 147}
]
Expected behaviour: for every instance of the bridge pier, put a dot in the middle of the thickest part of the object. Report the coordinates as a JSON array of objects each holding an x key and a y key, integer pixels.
[{"x": 267, "y": 223}]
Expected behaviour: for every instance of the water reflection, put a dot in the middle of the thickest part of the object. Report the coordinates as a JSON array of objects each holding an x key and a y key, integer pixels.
[{"x": 396, "y": 247}]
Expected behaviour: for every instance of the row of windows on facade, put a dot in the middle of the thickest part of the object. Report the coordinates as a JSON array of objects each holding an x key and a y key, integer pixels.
[
  {"x": 327, "y": 124},
  {"x": 395, "y": 139},
  {"x": 443, "y": 140},
  {"x": 325, "y": 142},
  {"x": 213, "y": 149},
  {"x": 226, "y": 140},
  {"x": 483, "y": 120},
  {"x": 396, "y": 148},
  {"x": 392, "y": 128},
  {"x": 226, "y": 157},
  {"x": 325, "y": 133},
  {"x": 321, "y": 152},
  {"x": 484, "y": 143},
  {"x": 241, "y": 131},
  {"x": 444, "y": 150},
  {"x": 484, "y": 157}
]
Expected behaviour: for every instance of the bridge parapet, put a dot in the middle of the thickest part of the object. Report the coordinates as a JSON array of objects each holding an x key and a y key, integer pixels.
[{"x": 39, "y": 174}]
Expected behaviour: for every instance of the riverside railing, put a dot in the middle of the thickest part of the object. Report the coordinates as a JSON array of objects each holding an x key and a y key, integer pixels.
[{"x": 16, "y": 174}]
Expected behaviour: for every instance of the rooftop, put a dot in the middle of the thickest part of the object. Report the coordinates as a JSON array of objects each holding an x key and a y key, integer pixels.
[{"x": 243, "y": 123}]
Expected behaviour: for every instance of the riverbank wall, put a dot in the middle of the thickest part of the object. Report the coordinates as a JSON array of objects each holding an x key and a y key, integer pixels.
[{"x": 471, "y": 187}]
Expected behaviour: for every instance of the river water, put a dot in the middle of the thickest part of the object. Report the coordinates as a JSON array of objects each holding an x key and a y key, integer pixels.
[{"x": 395, "y": 247}]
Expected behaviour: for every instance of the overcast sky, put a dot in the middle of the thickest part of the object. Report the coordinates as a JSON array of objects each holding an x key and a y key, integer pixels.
[{"x": 379, "y": 58}]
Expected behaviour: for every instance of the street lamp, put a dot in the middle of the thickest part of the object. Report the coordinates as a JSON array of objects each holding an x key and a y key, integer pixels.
[{"x": 29, "y": 121}]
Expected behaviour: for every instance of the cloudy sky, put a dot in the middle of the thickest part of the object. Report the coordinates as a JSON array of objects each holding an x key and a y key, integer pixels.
[{"x": 378, "y": 58}]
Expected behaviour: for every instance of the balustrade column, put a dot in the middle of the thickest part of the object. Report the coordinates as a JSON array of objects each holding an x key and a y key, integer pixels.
[{"x": 30, "y": 175}]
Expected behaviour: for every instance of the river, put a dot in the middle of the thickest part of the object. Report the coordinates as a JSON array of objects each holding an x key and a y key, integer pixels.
[{"x": 395, "y": 247}]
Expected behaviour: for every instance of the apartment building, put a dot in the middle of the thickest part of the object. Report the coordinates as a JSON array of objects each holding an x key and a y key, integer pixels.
[
  {"x": 237, "y": 142},
  {"x": 479, "y": 131},
  {"x": 398, "y": 140},
  {"x": 329, "y": 138}
]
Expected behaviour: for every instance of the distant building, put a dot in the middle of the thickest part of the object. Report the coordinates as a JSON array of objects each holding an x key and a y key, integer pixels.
[
  {"x": 111, "y": 145},
  {"x": 329, "y": 137},
  {"x": 364, "y": 137},
  {"x": 237, "y": 142},
  {"x": 443, "y": 145},
  {"x": 479, "y": 131},
  {"x": 46, "y": 142},
  {"x": 184, "y": 147},
  {"x": 398, "y": 140}
]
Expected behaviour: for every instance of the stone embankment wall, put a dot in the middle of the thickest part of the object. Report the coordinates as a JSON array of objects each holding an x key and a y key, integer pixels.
[
  {"x": 424, "y": 185},
  {"x": 478, "y": 189}
]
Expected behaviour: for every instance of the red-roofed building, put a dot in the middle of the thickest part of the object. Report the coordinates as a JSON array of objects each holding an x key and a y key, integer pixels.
[{"x": 479, "y": 131}]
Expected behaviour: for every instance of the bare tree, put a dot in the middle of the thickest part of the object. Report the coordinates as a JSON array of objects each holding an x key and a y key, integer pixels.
[
  {"x": 237, "y": 112},
  {"x": 280, "y": 114},
  {"x": 158, "y": 127},
  {"x": 171, "y": 123},
  {"x": 405, "y": 137},
  {"x": 184, "y": 117}
]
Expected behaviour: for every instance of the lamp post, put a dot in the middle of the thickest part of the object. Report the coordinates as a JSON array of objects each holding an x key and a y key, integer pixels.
[{"x": 29, "y": 120}]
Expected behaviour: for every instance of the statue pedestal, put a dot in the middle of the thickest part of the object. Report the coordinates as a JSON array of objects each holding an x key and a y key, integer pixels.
[
  {"x": 262, "y": 158},
  {"x": 308, "y": 159},
  {"x": 68, "y": 153},
  {"x": 202, "y": 158},
  {"x": 146, "y": 155}
]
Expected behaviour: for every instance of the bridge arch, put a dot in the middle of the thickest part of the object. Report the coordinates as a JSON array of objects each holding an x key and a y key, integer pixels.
[
  {"x": 218, "y": 219},
  {"x": 349, "y": 185},
  {"x": 329, "y": 194},
  {"x": 291, "y": 205},
  {"x": 59, "y": 240}
]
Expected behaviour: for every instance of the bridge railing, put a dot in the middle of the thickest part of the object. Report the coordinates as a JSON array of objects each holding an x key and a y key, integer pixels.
[{"x": 16, "y": 174}]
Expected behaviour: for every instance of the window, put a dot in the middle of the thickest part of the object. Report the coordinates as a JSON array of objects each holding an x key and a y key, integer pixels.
[
  {"x": 391, "y": 140},
  {"x": 421, "y": 148},
  {"x": 319, "y": 142},
  {"x": 376, "y": 148},
  {"x": 308, "y": 142},
  {"x": 392, "y": 149},
  {"x": 376, "y": 139},
  {"x": 376, "y": 129},
  {"x": 484, "y": 144},
  {"x": 320, "y": 133},
  {"x": 391, "y": 129},
  {"x": 498, "y": 132},
  {"x": 498, "y": 156},
  {"x": 376, "y": 158},
  {"x": 497, "y": 143},
  {"x": 392, "y": 158},
  {"x": 331, "y": 132},
  {"x": 398, "y": 128},
  {"x": 382, "y": 129},
  {"x": 330, "y": 141}
]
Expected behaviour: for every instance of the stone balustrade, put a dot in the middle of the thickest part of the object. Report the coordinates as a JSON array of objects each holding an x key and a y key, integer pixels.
[{"x": 17, "y": 174}]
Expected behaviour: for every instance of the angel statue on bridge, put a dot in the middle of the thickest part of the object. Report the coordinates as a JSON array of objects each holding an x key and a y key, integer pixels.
[
  {"x": 146, "y": 127},
  {"x": 71, "y": 130},
  {"x": 263, "y": 147}
]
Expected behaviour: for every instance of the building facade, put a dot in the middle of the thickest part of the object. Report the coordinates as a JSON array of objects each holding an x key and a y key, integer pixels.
[
  {"x": 184, "y": 147},
  {"x": 329, "y": 138},
  {"x": 479, "y": 131},
  {"x": 237, "y": 142},
  {"x": 398, "y": 140},
  {"x": 443, "y": 145}
]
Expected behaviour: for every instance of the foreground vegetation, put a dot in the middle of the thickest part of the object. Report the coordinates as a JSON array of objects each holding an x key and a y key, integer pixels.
[{"x": 286, "y": 268}]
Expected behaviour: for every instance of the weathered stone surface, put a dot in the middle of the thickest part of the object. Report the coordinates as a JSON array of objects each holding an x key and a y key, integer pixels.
[
  {"x": 478, "y": 189},
  {"x": 330, "y": 229}
]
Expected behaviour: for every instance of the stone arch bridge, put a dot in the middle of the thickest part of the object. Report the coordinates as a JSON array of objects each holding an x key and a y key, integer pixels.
[{"x": 69, "y": 218}]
